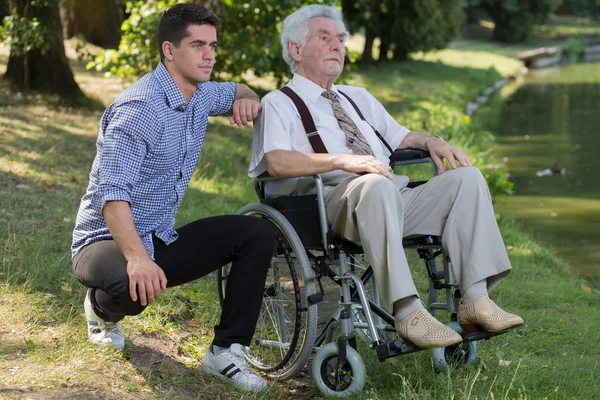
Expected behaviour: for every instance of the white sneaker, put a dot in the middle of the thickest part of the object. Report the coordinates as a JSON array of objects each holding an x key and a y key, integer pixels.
[
  {"x": 102, "y": 332},
  {"x": 230, "y": 365}
]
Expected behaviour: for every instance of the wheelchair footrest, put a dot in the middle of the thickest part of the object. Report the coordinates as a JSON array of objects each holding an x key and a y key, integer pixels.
[
  {"x": 483, "y": 335},
  {"x": 393, "y": 348}
]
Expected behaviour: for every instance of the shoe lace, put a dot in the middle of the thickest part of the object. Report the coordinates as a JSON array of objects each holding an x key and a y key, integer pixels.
[
  {"x": 107, "y": 328},
  {"x": 241, "y": 363}
]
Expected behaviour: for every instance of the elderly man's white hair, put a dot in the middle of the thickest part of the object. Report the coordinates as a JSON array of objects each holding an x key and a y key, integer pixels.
[{"x": 295, "y": 27}]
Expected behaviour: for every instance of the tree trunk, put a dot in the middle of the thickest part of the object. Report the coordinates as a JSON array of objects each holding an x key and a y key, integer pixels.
[
  {"x": 98, "y": 21},
  {"x": 4, "y": 9},
  {"x": 367, "y": 55},
  {"x": 47, "y": 71},
  {"x": 383, "y": 49},
  {"x": 400, "y": 54}
]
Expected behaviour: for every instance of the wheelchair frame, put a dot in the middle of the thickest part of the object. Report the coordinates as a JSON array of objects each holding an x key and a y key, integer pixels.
[{"x": 337, "y": 367}]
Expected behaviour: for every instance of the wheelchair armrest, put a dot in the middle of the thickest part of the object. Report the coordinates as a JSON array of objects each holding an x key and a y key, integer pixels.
[
  {"x": 404, "y": 155},
  {"x": 414, "y": 156},
  {"x": 265, "y": 177}
]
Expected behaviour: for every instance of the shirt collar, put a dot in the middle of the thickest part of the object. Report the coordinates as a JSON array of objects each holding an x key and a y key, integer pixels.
[
  {"x": 174, "y": 97},
  {"x": 308, "y": 88}
]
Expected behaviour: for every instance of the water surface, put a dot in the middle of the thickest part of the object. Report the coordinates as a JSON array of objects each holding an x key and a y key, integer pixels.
[{"x": 553, "y": 116}]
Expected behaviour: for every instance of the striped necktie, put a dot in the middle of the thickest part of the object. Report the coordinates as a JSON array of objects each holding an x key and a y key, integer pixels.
[{"x": 356, "y": 140}]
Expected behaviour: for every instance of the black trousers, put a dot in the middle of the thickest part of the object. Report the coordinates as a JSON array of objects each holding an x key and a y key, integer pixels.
[{"x": 202, "y": 247}]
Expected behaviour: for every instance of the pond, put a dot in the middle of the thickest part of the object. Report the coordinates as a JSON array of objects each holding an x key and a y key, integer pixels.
[{"x": 548, "y": 135}]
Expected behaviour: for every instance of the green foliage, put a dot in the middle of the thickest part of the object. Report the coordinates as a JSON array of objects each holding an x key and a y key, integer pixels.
[
  {"x": 581, "y": 8},
  {"x": 406, "y": 26},
  {"x": 514, "y": 19},
  {"x": 573, "y": 49},
  {"x": 421, "y": 25},
  {"x": 248, "y": 38},
  {"x": 138, "y": 51},
  {"x": 24, "y": 34},
  {"x": 457, "y": 129}
]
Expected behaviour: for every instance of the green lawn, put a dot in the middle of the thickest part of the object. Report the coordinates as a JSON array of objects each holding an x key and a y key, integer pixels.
[{"x": 45, "y": 155}]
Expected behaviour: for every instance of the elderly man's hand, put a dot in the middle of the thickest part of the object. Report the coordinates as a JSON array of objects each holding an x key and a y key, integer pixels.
[
  {"x": 440, "y": 149},
  {"x": 363, "y": 164},
  {"x": 244, "y": 111}
]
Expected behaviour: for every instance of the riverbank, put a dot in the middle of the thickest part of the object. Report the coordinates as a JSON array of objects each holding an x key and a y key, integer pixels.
[{"x": 45, "y": 158}]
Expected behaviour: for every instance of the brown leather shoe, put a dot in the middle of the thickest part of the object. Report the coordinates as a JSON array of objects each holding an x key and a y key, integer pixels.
[
  {"x": 484, "y": 313},
  {"x": 426, "y": 332}
]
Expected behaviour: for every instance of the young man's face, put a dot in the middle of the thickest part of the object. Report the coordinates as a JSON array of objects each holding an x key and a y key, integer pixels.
[
  {"x": 323, "y": 53},
  {"x": 195, "y": 56}
]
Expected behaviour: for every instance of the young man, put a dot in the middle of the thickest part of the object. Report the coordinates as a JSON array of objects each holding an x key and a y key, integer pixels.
[
  {"x": 366, "y": 203},
  {"x": 125, "y": 248}
]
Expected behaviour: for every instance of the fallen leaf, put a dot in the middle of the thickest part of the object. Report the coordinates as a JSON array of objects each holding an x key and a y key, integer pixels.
[
  {"x": 504, "y": 363},
  {"x": 545, "y": 366},
  {"x": 586, "y": 288}
]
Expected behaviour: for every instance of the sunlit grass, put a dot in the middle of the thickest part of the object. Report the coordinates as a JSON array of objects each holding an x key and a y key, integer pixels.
[{"x": 45, "y": 155}]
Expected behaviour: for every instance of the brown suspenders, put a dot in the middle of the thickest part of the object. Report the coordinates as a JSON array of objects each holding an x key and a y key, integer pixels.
[
  {"x": 307, "y": 120},
  {"x": 311, "y": 130}
]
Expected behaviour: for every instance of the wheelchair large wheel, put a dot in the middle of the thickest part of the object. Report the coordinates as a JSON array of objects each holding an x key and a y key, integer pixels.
[
  {"x": 287, "y": 324},
  {"x": 333, "y": 380},
  {"x": 446, "y": 358}
]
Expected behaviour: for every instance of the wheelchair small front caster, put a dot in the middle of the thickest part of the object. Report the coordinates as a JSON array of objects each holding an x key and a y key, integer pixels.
[
  {"x": 336, "y": 381},
  {"x": 446, "y": 358}
]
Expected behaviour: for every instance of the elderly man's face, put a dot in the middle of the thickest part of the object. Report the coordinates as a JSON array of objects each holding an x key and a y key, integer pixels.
[{"x": 323, "y": 54}]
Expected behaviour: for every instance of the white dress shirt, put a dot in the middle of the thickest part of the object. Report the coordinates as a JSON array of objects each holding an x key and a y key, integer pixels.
[{"x": 279, "y": 127}]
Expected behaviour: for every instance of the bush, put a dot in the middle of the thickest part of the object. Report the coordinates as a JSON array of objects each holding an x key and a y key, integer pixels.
[
  {"x": 405, "y": 26},
  {"x": 514, "y": 19},
  {"x": 456, "y": 128},
  {"x": 248, "y": 39}
]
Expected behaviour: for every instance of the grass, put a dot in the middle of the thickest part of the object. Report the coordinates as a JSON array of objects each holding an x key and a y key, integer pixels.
[
  {"x": 554, "y": 33},
  {"x": 45, "y": 155}
]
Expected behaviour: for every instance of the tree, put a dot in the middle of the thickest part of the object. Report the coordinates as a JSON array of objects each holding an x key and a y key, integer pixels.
[
  {"x": 37, "y": 55},
  {"x": 514, "y": 19},
  {"x": 581, "y": 8},
  {"x": 366, "y": 16},
  {"x": 404, "y": 26},
  {"x": 98, "y": 21},
  {"x": 421, "y": 25},
  {"x": 248, "y": 38}
]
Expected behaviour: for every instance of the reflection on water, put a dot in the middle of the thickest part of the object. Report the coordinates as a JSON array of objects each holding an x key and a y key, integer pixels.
[{"x": 553, "y": 117}]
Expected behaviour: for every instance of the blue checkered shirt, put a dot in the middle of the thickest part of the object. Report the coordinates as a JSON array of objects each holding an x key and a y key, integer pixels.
[{"x": 146, "y": 152}]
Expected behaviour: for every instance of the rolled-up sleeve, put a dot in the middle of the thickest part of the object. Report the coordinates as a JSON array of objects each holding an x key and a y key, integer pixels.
[
  {"x": 270, "y": 133},
  {"x": 221, "y": 96},
  {"x": 127, "y": 138}
]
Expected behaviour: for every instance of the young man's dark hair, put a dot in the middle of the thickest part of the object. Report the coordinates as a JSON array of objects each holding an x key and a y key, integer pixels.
[{"x": 175, "y": 21}]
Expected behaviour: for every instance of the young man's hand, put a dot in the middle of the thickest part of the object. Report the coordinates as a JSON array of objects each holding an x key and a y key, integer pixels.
[
  {"x": 146, "y": 279},
  {"x": 244, "y": 111}
]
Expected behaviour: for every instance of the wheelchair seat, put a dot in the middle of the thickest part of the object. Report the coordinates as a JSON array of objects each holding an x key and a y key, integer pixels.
[
  {"x": 286, "y": 335},
  {"x": 303, "y": 213}
]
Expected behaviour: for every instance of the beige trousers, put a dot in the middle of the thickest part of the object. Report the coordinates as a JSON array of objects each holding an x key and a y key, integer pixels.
[{"x": 371, "y": 211}]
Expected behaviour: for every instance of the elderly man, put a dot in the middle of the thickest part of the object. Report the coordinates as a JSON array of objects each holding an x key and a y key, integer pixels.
[{"x": 366, "y": 203}]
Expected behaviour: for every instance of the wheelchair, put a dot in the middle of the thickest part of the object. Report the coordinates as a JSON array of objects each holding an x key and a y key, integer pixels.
[{"x": 306, "y": 252}]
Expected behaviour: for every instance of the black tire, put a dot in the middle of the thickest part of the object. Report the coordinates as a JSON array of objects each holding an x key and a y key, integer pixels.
[{"x": 287, "y": 324}]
